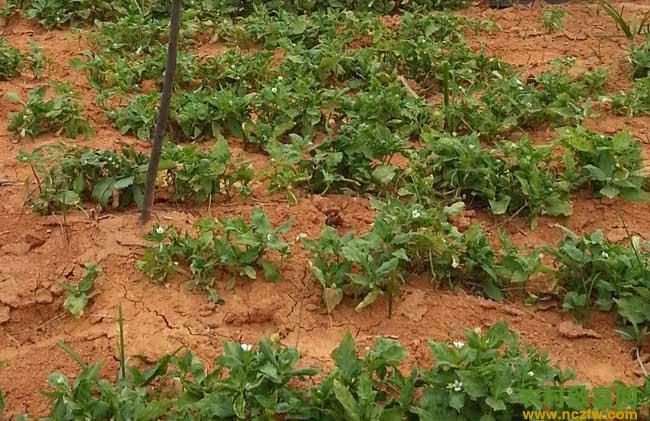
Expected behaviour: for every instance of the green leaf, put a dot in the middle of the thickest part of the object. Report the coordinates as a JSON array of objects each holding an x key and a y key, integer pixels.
[
  {"x": 345, "y": 357},
  {"x": 496, "y": 404},
  {"x": 68, "y": 198},
  {"x": 384, "y": 174},
  {"x": 557, "y": 207},
  {"x": 77, "y": 64},
  {"x": 102, "y": 191},
  {"x": 76, "y": 304},
  {"x": 123, "y": 183},
  {"x": 348, "y": 402},
  {"x": 370, "y": 298},
  {"x": 457, "y": 401},
  {"x": 271, "y": 271},
  {"x": 78, "y": 184},
  {"x": 499, "y": 207},
  {"x": 609, "y": 191},
  {"x": 250, "y": 272},
  {"x": 454, "y": 209},
  {"x": 493, "y": 291},
  {"x": 596, "y": 173}
]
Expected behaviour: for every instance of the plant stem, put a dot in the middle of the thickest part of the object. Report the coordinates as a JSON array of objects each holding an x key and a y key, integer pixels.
[
  {"x": 38, "y": 180},
  {"x": 163, "y": 112}
]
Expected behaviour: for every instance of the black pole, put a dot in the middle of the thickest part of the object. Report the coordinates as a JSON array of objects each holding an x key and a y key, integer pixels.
[{"x": 163, "y": 111}]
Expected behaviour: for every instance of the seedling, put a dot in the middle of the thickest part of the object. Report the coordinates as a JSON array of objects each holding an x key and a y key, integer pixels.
[
  {"x": 60, "y": 114},
  {"x": 553, "y": 19},
  {"x": 11, "y": 61},
  {"x": 116, "y": 178},
  {"x": 594, "y": 271},
  {"x": 631, "y": 28},
  {"x": 285, "y": 172},
  {"x": 232, "y": 246},
  {"x": 636, "y": 101},
  {"x": 612, "y": 164},
  {"x": 78, "y": 295}
]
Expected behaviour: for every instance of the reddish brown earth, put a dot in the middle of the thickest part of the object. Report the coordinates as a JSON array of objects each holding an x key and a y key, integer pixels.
[{"x": 36, "y": 257}]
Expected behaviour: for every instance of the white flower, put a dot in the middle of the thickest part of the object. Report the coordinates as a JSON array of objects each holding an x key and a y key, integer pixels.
[
  {"x": 509, "y": 391},
  {"x": 274, "y": 90},
  {"x": 456, "y": 385},
  {"x": 531, "y": 374},
  {"x": 477, "y": 330},
  {"x": 604, "y": 255},
  {"x": 415, "y": 214},
  {"x": 280, "y": 78},
  {"x": 246, "y": 347},
  {"x": 268, "y": 237},
  {"x": 459, "y": 344},
  {"x": 160, "y": 230}
]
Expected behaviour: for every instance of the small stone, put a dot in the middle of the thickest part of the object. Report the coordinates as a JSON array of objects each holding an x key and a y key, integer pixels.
[
  {"x": 96, "y": 318},
  {"x": 44, "y": 296},
  {"x": 570, "y": 330},
  {"x": 56, "y": 289},
  {"x": 513, "y": 311}
]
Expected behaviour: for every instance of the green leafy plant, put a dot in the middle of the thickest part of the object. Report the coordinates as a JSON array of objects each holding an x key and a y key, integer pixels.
[
  {"x": 594, "y": 271},
  {"x": 639, "y": 57},
  {"x": 553, "y": 19},
  {"x": 204, "y": 174},
  {"x": 230, "y": 245},
  {"x": 509, "y": 179},
  {"x": 78, "y": 295},
  {"x": 612, "y": 164},
  {"x": 629, "y": 28},
  {"x": 60, "y": 114},
  {"x": 636, "y": 101},
  {"x": 103, "y": 176},
  {"x": 11, "y": 61},
  {"x": 37, "y": 60},
  {"x": 485, "y": 375},
  {"x": 285, "y": 172},
  {"x": 408, "y": 238},
  {"x": 109, "y": 177},
  {"x": 508, "y": 103}
]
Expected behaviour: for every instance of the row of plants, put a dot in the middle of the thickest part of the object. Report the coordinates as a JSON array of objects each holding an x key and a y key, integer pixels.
[
  {"x": 60, "y": 112},
  {"x": 229, "y": 247},
  {"x": 60, "y": 13},
  {"x": 511, "y": 178},
  {"x": 407, "y": 239},
  {"x": 67, "y": 176},
  {"x": 508, "y": 178},
  {"x": 320, "y": 78},
  {"x": 483, "y": 377}
]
